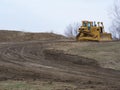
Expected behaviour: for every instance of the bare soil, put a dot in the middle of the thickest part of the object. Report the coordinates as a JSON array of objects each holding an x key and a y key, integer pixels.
[{"x": 48, "y": 60}]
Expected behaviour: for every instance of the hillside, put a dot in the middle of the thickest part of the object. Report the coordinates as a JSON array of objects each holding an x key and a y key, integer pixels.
[
  {"x": 50, "y": 62},
  {"x": 11, "y": 36},
  {"x": 105, "y": 53}
]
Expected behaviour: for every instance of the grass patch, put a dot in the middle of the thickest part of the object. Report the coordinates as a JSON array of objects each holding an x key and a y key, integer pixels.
[
  {"x": 107, "y": 54},
  {"x": 35, "y": 85}
]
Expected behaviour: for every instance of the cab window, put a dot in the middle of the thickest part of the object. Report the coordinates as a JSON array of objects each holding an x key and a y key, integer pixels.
[
  {"x": 84, "y": 24},
  {"x": 89, "y": 25}
]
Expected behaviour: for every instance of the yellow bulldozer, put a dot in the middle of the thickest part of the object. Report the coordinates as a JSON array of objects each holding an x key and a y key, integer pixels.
[{"x": 90, "y": 31}]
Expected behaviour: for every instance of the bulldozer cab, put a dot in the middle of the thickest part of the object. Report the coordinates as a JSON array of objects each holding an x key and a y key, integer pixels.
[
  {"x": 87, "y": 24},
  {"x": 90, "y": 25}
]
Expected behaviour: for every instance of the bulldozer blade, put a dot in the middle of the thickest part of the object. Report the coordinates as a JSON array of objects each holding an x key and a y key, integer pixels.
[{"x": 106, "y": 37}]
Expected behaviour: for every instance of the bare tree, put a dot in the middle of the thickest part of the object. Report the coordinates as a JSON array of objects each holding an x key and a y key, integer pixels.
[
  {"x": 72, "y": 30},
  {"x": 115, "y": 27}
]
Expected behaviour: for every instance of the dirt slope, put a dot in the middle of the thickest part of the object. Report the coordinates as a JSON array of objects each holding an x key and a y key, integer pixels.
[
  {"x": 32, "y": 60},
  {"x": 41, "y": 60},
  {"x": 107, "y": 54},
  {"x": 10, "y": 36}
]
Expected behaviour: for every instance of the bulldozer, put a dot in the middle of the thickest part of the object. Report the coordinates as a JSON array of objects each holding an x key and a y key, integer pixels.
[{"x": 90, "y": 31}]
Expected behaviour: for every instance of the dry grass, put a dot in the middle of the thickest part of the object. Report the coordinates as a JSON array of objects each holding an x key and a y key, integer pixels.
[
  {"x": 35, "y": 85},
  {"x": 18, "y": 36},
  {"x": 106, "y": 53}
]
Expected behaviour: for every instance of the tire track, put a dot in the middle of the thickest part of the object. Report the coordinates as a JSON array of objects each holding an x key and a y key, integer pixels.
[{"x": 32, "y": 57}]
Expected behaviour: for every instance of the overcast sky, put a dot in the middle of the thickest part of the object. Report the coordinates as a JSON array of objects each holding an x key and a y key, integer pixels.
[{"x": 51, "y": 15}]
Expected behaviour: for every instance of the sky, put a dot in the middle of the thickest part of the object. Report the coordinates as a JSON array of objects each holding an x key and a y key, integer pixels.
[{"x": 52, "y": 15}]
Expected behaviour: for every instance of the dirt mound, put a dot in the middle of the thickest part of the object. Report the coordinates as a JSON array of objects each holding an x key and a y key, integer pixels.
[
  {"x": 10, "y": 36},
  {"x": 33, "y": 60}
]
